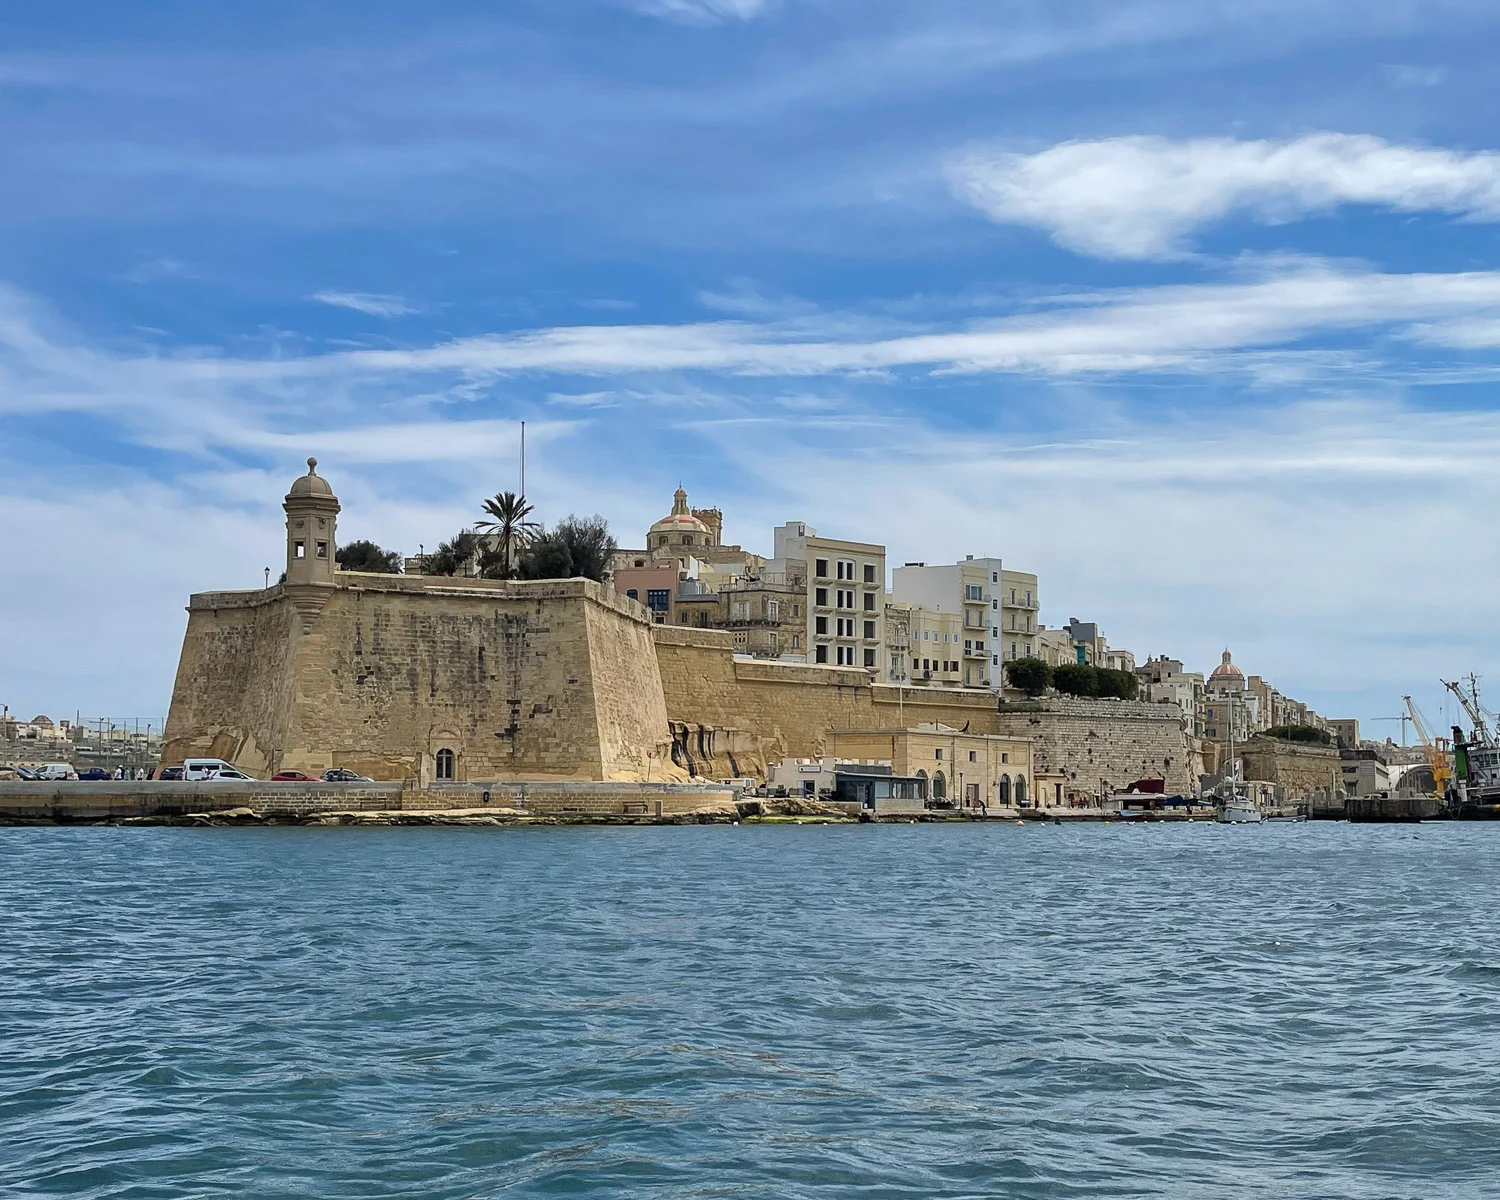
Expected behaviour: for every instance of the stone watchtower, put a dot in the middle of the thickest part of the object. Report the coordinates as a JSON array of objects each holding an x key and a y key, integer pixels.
[{"x": 311, "y": 524}]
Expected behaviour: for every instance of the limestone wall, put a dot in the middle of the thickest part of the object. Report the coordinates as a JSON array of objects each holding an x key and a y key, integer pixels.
[
  {"x": 1295, "y": 766},
  {"x": 551, "y": 679},
  {"x": 1079, "y": 743},
  {"x": 765, "y": 711},
  {"x": 232, "y": 696}
]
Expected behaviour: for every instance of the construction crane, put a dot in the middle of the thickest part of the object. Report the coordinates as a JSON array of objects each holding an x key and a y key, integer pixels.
[
  {"x": 1437, "y": 748},
  {"x": 1471, "y": 706}
]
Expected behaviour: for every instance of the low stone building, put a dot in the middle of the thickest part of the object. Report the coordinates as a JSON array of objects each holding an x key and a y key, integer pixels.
[{"x": 968, "y": 770}]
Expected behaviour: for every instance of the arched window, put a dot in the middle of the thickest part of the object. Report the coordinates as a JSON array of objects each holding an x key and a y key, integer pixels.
[
  {"x": 445, "y": 763},
  {"x": 687, "y": 539},
  {"x": 939, "y": 786},
  {"x": 1020, "y": 789},
  {"x": 1005, "y": 791},
  {"x": 632, "y": 593}
]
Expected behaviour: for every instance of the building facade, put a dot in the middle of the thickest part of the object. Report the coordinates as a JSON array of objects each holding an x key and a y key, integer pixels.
[
  {"x": 843, "y": 596},
  {"x": 966, "y": 770},
  {"x": 969, "y": 591}
]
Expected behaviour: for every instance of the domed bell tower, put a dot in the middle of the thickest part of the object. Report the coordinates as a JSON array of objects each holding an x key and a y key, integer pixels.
[{"x": 311, "y": 525}]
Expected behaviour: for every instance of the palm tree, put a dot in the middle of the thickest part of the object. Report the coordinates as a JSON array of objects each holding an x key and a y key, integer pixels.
[{"x": 509, "y": 532}]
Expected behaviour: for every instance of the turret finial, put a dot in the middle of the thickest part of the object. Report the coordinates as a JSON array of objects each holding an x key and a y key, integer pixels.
[{"x": 312, "y": 466}]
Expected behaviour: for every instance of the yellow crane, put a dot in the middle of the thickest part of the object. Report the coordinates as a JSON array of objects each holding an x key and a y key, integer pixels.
[{"x": 1437, "y": 748}]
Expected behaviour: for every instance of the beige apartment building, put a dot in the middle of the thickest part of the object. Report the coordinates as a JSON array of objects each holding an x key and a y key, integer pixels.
[
  {"x": 924, "y": 647},
  {"x": 843, "y": 596},
  {"x": 969, "y": 769},
  {"x": 1019, "y": 602}
]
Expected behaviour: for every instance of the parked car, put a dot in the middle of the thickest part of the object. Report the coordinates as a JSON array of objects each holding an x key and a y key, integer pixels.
[
  {"x": 12, "y": 775},
  {"x": 291, "y": 777},
  {"x": 344, "y": 775},
  {"x": 52, "y": 771},
  {"x": 169, "y": 773},
  {"x": 198, "y": 769},
  {"x": 93, "y": 773}
]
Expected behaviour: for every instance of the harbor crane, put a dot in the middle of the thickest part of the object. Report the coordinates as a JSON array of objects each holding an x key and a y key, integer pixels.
[{"x": 1437, "y": 748}]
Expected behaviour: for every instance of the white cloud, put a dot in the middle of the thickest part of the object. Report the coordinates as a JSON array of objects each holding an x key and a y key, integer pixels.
[
  {"x": 702, "y": 12},
  {"x": 371, "y": 304},
  {"x": 1142, "y": 197}
]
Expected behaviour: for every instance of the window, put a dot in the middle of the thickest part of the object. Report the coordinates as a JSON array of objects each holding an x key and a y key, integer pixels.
[
  {"x": 994, "y": 576},
  {"x": 994, "y": 632},
  {"x": 658, "y": 599},
  {"x": 820, "y": 625},
  {"x": 973, "y": 591},
  {"x": 973, "y": 756},
  {"x": 938, "y": 754},
  {"x": 845, "y": 656},
  {"x": 796, "y": 641},
  {"x": 1012, "y": 595},
  {"x": 632, "y": 593},
  {"x": 869, "y": 658},
  {"x": 869, "y": 572},
  {"x": 445, "y": 763},
  {"x": 640, "y": 562},
  {"x": 322, "y": 549},
  {"x": 299, "y": 549},
  {"x": 994, "y": 660},
  {"x": 971, "y": 793},
  {"x": 869, "y": 602},
  {"x": 741, "y": 638},
  {"x": 820, "y": 597},
  {"x": 845, "y": 569},
  {"x": 845, "y": 599},
  {"x": 741, "y": 610},
  {"x": 1004, "y": 756},
  {"x": 869, "y": 628},
  {"x": 846, "y": 627},
  {"x": 820, "y": 654},
  {"x": 926, "y": 636},
  {"x": 820, "y": 568},
  {"x": 773, "y": 609},
  {"x": 682, "y": 618},
  {"x": 773, "y": 641},
  {"x": 796, "y": 610},
  {"x": 994, "y": 606}
]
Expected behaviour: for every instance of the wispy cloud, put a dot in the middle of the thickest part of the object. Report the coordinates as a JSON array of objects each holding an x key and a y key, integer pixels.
[
  {"x": 370, "y": 303},
  {"x": 1142, "y": 197},
  {"x": 704, "y": 12}
]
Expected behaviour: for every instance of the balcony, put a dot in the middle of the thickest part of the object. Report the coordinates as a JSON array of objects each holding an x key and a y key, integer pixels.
[
  {"x": 1020, "y": 602},
  {"x": 971, "y": 652}
]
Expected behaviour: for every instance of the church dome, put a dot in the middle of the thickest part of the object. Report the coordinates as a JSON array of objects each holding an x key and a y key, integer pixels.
[
  {"x": 679, "y": 527},
  {"x": 1226, "y": 674},
  {"x": 311, "y": 484}
]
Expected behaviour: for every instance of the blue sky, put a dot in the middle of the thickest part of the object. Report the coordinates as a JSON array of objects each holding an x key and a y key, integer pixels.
[{"x": 1192, "y": 308}]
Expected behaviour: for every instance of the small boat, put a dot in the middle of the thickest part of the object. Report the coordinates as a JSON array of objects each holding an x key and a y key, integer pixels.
[{"x": 1239, "y": 811}]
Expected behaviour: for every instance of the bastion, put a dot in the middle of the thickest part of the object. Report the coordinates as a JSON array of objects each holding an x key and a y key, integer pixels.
[{"x": 435, "y": 679}]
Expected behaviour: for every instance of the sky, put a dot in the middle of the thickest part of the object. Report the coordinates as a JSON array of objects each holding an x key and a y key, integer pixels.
[{"x": 1191, "y": 307}]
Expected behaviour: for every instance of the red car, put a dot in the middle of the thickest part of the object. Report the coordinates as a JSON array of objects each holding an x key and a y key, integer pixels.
[{"x": 291, "y": 777}]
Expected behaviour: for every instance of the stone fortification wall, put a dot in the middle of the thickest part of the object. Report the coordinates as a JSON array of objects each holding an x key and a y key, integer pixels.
[
  {"x": 1295, "y": 766},
  {"x": 1080, "y": 743},
  {"x": 735, "y": 715},
  {"x": 232, "y": 696},
  {"x": 549, "y": 679}
]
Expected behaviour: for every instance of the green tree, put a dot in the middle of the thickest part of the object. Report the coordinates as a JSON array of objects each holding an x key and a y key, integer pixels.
[
  {"x": 1076, "y": 679},
  {"x": 367, "y": 556},
  {"x": 576, "y": 547},
  {"x": 453, "y": 556},
  {"x": 1301, "y": 733},
  {"x": 508, "y": 534},
  {"x": 1120, "y": 684},
  {"x": 1031, "y": 675}
]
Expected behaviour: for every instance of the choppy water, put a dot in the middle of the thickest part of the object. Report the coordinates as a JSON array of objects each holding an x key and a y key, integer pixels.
[{"x": 895, "y": 1011}]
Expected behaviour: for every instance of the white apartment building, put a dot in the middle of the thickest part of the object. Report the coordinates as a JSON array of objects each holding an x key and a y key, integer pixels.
[
  {"x": 969, "y": 590},
  {"x": 844, "y": 586}
]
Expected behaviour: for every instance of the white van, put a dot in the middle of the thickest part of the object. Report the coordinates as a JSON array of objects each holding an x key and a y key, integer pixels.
[
  {"x": 198, "y": 769},
  {"x": 51, "y": 771}
]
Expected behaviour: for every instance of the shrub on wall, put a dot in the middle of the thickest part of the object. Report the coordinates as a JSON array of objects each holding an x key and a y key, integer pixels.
[
  {"x": 1301, "y": 733},
  {"x": 1076, "y": 679},
  {"x": 1031, "y": 675}
]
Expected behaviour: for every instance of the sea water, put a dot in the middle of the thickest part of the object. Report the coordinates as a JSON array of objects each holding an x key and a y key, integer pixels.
[{"x": 801, "y": 1011}]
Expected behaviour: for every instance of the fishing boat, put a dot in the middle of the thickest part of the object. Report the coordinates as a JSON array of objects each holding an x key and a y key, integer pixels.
[
  {"x": 1475, "y": 790},
  {"x": 1238, "y": 809}
]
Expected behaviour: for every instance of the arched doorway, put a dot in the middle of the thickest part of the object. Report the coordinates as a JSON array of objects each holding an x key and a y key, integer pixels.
[
  {"x": 922, "y": 775},
  {"x": 1020, "y": 789},
  {"x": 1005, "y": 791},
  {"x": 939, "y": 786}
]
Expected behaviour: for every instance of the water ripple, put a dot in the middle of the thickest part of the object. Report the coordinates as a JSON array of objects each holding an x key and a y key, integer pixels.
[{"x": 898, "y": 1011}]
